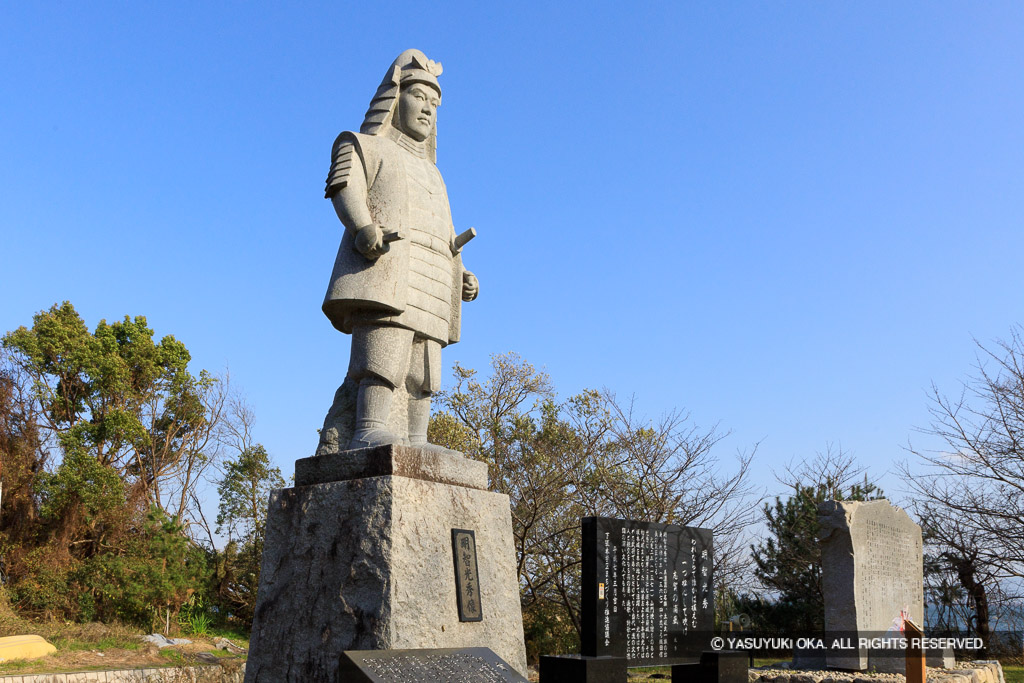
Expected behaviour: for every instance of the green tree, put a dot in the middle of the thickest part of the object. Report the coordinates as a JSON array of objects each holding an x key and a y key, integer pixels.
[
  {"x": 788, "y": 561},
  {"x": 105, "y": 435},
  {"x": 151, "y": 571},
  {"x": 121, "y": 399},
  {"x": 244, "y": 490}
]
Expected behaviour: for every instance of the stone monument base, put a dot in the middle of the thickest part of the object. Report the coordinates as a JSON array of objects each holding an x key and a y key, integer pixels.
[
  {"x": 715, "y": 666},
  {"x": 582, "y": 669},
  {"x": 885, "y": 662},
  {"x": 359, "y": 556}
]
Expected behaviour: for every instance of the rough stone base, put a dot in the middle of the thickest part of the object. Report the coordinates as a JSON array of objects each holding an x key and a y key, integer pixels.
[
  {"x": 965, "y": 672},
  {"x": 887, "y": 663},
  {"x": 366, "y": 564}
]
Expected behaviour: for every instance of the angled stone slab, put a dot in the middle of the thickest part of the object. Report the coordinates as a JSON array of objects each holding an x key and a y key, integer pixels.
[{"x": 465, "y": 665}]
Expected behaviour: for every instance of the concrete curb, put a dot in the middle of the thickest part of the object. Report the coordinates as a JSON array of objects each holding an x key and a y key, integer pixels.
[{"x": 170, "y": 674}]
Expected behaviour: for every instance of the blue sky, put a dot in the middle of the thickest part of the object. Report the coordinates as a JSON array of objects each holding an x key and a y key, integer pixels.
[{"x": 788, "y": 218}]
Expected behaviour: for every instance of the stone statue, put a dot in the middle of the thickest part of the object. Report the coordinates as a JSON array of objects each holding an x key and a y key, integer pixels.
[
  {"x": 398, "y": 282},
  {"x": 361, "y": 553}
]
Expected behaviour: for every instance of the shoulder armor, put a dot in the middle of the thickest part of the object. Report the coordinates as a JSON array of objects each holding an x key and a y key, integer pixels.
[{"x": 345, "y": 147}]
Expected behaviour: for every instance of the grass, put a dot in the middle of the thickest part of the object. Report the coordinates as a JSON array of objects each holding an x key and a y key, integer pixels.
[
  {"x": 67, "y": 635},
  {"x": 649, "y": 671},
  {"x": 766, "y": 662},
  {"x": 15, "y": 665},
  {"x": 72, "y": 639},
  {"x": 173, "y": 657},
  {"x": 77, "y": 644},
  {"x": 1013, "y": 673}
]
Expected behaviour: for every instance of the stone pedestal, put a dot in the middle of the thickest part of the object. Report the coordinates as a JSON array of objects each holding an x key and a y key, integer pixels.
[{"x": 359, "y": 556}]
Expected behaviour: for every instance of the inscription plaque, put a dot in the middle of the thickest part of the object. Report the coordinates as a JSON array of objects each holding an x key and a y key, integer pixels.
[
  {"x": 467, "y": 579},
  {"x": 648, "y": 591},
  {"x": 455, "y": 665}
]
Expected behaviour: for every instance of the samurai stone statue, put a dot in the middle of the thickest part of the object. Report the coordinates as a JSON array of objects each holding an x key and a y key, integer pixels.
[{"x": 398, "y": 282}]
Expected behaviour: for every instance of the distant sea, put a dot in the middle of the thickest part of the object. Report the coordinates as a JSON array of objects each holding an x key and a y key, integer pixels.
[{"x": 1010, "y": 619}]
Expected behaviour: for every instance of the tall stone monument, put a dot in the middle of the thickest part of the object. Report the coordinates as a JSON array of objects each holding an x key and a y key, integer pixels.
[
  {"x": 387, "y": 541},
  {"x": 872, "y": 574}
]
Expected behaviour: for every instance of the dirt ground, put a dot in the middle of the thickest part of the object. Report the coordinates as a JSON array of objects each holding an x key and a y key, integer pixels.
[{"x": 200, "y": 651}]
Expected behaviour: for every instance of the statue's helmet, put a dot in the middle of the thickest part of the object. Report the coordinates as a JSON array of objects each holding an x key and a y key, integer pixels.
[{"x": 412, "y": 66}]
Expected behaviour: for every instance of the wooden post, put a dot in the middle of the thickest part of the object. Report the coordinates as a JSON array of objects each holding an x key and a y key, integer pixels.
[{"x": 915, "y": 653}]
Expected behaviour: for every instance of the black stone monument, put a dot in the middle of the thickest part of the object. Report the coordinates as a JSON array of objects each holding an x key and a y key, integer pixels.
[
  {"x": 648, "y": 600},
  {"x": 648, "y": 591}
]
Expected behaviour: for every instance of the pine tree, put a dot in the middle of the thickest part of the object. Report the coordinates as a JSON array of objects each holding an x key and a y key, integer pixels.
[{"x": 788, "y": 562}]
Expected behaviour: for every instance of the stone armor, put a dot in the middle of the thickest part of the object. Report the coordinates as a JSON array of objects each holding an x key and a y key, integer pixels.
[{"x": 417, "y": 283}]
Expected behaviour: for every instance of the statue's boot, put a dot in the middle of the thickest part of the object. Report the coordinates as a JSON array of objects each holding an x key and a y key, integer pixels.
[
  {"x": 419, "y": 418},
  {"x": 373, "y": 405}
]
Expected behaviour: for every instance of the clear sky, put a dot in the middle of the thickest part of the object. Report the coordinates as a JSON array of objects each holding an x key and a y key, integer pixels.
[{"x": 787, "y": 217}]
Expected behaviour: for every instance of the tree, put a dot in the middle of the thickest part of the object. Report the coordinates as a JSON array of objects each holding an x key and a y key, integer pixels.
[
  {"x": 587, "y": 455},
  {"x": 510, "y": 421},
  {"x": 971, "y": 492},
  {"x": 666, "y": 472},
  {"x": 981, "y": 473},
  {"x": 104, "y": 437},
  {"x": 788, "y": 561},
  {"x": 22, "y": 458},
  {"x": 957, "y": 579},
  {"x": 114, "y": 401},
  {"x": 244, "y": 490},
  {"x": 152, "y": 570}
]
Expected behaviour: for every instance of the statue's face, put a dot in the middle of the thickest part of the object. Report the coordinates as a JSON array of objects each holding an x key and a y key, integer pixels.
[{"x": 417, "y": 110}]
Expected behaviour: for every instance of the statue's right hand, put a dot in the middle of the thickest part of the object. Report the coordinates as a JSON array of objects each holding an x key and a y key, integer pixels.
[{"x": 370, "y": 241}]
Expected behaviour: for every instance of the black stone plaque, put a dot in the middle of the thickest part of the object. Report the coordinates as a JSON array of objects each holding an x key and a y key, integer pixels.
[
  {"x": 457, "y": 665},
  {"x": 648, "y": 591},
  {"x": 467, "y": 578}
]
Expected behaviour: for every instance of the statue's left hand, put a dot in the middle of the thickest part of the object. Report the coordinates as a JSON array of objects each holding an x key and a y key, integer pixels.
[{"x": 470, "y": 286}]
